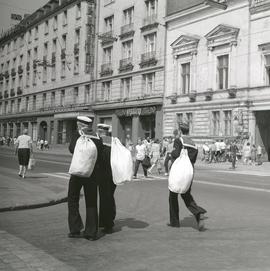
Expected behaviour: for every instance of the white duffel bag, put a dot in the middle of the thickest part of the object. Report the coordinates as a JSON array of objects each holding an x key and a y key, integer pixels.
[
  {"x": 121, "y": 162},
  {"x": 84, "y": 157},
  {"x": 181, "y": 174}
]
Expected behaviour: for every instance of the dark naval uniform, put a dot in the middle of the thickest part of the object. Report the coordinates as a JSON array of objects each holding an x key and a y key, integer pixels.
[
  {"x": 107, "y": 211},
  {"x": 187, "y": 197},
  {"x": 90, "y": 191}
]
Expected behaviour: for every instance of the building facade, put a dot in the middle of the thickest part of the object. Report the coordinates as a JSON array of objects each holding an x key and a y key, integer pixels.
[
  {"x": 47, "y": 71},
  {"x": 218, "y": 57},
  {"x": 130, "y": 67}
]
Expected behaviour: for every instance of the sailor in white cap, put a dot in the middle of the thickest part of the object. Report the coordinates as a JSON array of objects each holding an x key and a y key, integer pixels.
[
  {"x": 107, "y": 207},
  {"x": 89, "y": 185}
]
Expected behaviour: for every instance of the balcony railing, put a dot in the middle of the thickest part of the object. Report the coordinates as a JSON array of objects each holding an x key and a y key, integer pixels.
[
  {"x": 127, "y": 28},
  {"x": 125, "y": 64},
  {"x": 19, "y": 91},
  {"x": 148, "y": 59},
  {"x": 107, "y": 38},
  {"x": 150, "y": 19},
  {"x": 106, "y": 69}
]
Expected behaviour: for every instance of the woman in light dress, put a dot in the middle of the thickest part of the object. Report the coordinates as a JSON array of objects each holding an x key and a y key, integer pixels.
[{"x": 155, "y": 156}]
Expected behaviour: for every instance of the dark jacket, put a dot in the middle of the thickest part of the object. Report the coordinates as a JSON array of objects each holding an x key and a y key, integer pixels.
[
  {"x": 99, "y": 145},
  {"x": 189, "y": 145}
]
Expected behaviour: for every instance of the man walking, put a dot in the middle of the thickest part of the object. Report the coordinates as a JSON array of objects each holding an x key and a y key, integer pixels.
[
  {"x": 89, "y": 185},
  {"x": 197, "y": 211}
]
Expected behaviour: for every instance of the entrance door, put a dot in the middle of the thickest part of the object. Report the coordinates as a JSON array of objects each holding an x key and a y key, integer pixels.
[
  {"x": 43, "y": 130},
  {"x": 126, "y": 124},
  {"x": 263, "y": 131},
  {"x": 148, "y": 126}
]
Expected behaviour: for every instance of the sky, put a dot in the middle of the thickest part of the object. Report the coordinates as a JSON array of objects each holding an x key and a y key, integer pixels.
[{"x": 18, "y": 7}]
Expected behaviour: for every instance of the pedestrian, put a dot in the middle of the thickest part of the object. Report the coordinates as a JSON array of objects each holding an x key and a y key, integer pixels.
[
  {"x": 223, "y": 147},
  {"x": 46, "y": 144},
  {"x": 206, "y": 151},
  {"x": 140, "y": 154},
  {"x": 259, "y": 155},
  {"x": 247, "y": 154},
  {"x": 198, "y": 212},
  {"x": 23, "y": 147},
  {"x": 41, "y": 144},
  {"x": 253, "y": 154},
  {"x": 233, "y": 150},
  {"x": 89, "y": 185},
  {"x": 212, "y": 150},
  {"x": 107, "y": 206},
  {"x": 168, "y": 157},
  {"x": 155, "y": 156},
  {"x": 218, "y": 151}
]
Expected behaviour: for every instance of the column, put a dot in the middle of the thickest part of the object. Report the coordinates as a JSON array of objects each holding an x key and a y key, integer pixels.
[
  {"x": 64, "y": 133},
  {"x": 233, "y": 66},
  {"x": 252, "y": 127},
  {"x": 30, "y": 129},
  {"x": 210, "y": 70},
  {"x": 115, "y": 126},
  {"x": 175, "y": 77},
  {"x": 8, "y": 131},
  {"x": 159, "y": 121},
  {"x": 135, "y": 129},
  {"x": 55, "y": 132}
]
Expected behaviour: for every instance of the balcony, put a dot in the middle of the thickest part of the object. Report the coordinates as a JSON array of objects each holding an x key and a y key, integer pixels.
[
  {"x": 76, "y": 48},
  {"x": 28, "y": 66},
  {"x": 19, "y": 91},
  {"x": 106, "y": 69},
  {"x": 150, "y": 22},
  {"x": 259, "y": 5},
  {"x": 126, "y": 65},
  {"x": 127, "y": 31},
  {"x": 107, "y": 38},
  {"x": 6, "y": 74},
  {"x": 12, "y": 92},
  {"x": 63, "y": 54},
  {"x": 148, "y": 59},
  {"x": 20, "y": 69},
  {"x": 6, "y": 94},
  {"x": 13, "y": 72}
]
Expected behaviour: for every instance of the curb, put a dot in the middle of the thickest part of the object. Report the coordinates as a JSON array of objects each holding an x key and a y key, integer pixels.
[{"x": 34, "y": 206}]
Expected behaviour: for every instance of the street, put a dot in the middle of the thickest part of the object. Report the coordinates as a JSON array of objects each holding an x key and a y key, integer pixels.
[{"x": 236, "y": 236}]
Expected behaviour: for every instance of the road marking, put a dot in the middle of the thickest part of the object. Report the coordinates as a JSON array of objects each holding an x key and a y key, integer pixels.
[
  {"x": 253, "y": 173},
  {"x": 234, "y": 186}
]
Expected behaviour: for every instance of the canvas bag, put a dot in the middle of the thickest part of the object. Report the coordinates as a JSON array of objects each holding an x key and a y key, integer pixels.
[
  {"x": 84, "y": 157},
  {"x": 181, "y": 174},
  {"x": 121, "y": 162},
  {"x": 32, "y": 163}
]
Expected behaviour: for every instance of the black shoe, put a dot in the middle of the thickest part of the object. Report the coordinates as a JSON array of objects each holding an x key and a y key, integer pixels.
[
  {"x": 173, "y": 225},
  {"x": 200, "y": 221},
  {"x": 94, "y": 237},
  {"x": 108, "y": 230},
  {"x": 75, "y": 235}
]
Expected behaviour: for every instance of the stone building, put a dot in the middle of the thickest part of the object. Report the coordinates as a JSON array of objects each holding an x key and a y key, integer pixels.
[
  {"x": 130, "y": 67},
  {"x": 46, "y": 71},
  {"x": 218, "y": 69}
]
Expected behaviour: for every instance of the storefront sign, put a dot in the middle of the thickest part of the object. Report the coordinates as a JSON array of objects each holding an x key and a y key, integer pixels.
[{"x": 136, "y": 111}]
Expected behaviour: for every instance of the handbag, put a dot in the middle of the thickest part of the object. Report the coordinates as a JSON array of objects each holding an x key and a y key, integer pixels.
[
  {"x": 146, "y": 162},
  {"x": 31, "y": 163}
]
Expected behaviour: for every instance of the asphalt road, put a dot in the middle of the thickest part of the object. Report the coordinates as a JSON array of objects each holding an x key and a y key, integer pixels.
[{"x": 236, "y": 237}]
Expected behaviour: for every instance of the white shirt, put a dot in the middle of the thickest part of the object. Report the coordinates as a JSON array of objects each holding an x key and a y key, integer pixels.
[
  {"x": 140, "y": 152},
  {"x": 23, "y": 141}
]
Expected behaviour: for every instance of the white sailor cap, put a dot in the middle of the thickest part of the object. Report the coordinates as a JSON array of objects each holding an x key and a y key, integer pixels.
[
  {"x": 84, "y": 119},
  {"x": 103, "y": 126}
]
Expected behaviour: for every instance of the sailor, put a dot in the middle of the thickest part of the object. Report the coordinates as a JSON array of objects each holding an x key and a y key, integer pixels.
[
  {"x": 183, "y": 140},
  {"x": 89, "y": 185},
  {"x": 107, "y": 207}
]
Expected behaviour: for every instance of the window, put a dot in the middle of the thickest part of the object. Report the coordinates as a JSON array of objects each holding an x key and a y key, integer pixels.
[
  {"x": 8, "y": 48},
  {"x": 148, "y": 83},
  {"x": 106, "y": 91},
  {"x": 44, "y": 98},
  {"x": 27, "y": 107},
  {"x": 46, "y": 27},
  {"x": 28, "y": 55},
  {"x": 75, "y": 95},
  {"x": 21, "y": 60},
  {"x": 185, "y": 75},
  {"x": 6, "y": 107},
  {"x": 15, "y": 44},
  {"x": 36, "y": 32},
  {"x": 19, "y": 105},
  {"x": 13, "y": 83},
  {"x": 151, "y": 8},
  {"x": 127, "y": 48},
  {"x": 30, "y": 36},
  {"x": 14, "y": 62},
  {"x": 62, "y": 97},
  {"x": 87, "y": 94},
  {"x": 55, "y": 23},
  {"x": 77, "y": 36},
  {"x": 34, "y": 77},
  {"x": 228, "y": 123},
  {"x": 44, "y": 74},
  {"x": 128, "y": 16},
  {"x": 215, "y": 123},
  {"x": 1, "y": 109},
  {"x": 34, "y": 102},
  {"x": 78, "y": 11},
  {"x": 45, "y": 51},
  {"x": 76, "y": 65},
  {"x": 126, "y": 87},
  {"x": 27, "y": 79},
  {"x": 63, "y": 68},
  {"x": 189, "y": 117},
  {"x": 12, "y": 106},
  {"x": 35, "y": 53},
  {"x": 64, "y": 41},
  {"x": 53, "y": 99},
  {"x": 150, "y": 42},
  {"x": 267, "y": 68},
  {"x": 107, "y": 55},
  {"x": 222, "y": 69},
  {"x": 108, "y": 24},
  {"x": 64, "y": 18},
  {"x": 54, "y": 46}
]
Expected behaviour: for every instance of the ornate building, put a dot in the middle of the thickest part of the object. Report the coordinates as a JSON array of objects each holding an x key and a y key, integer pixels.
[
  {"x": 46, "y": 71},
  {"x": 219, "y": 59}
]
